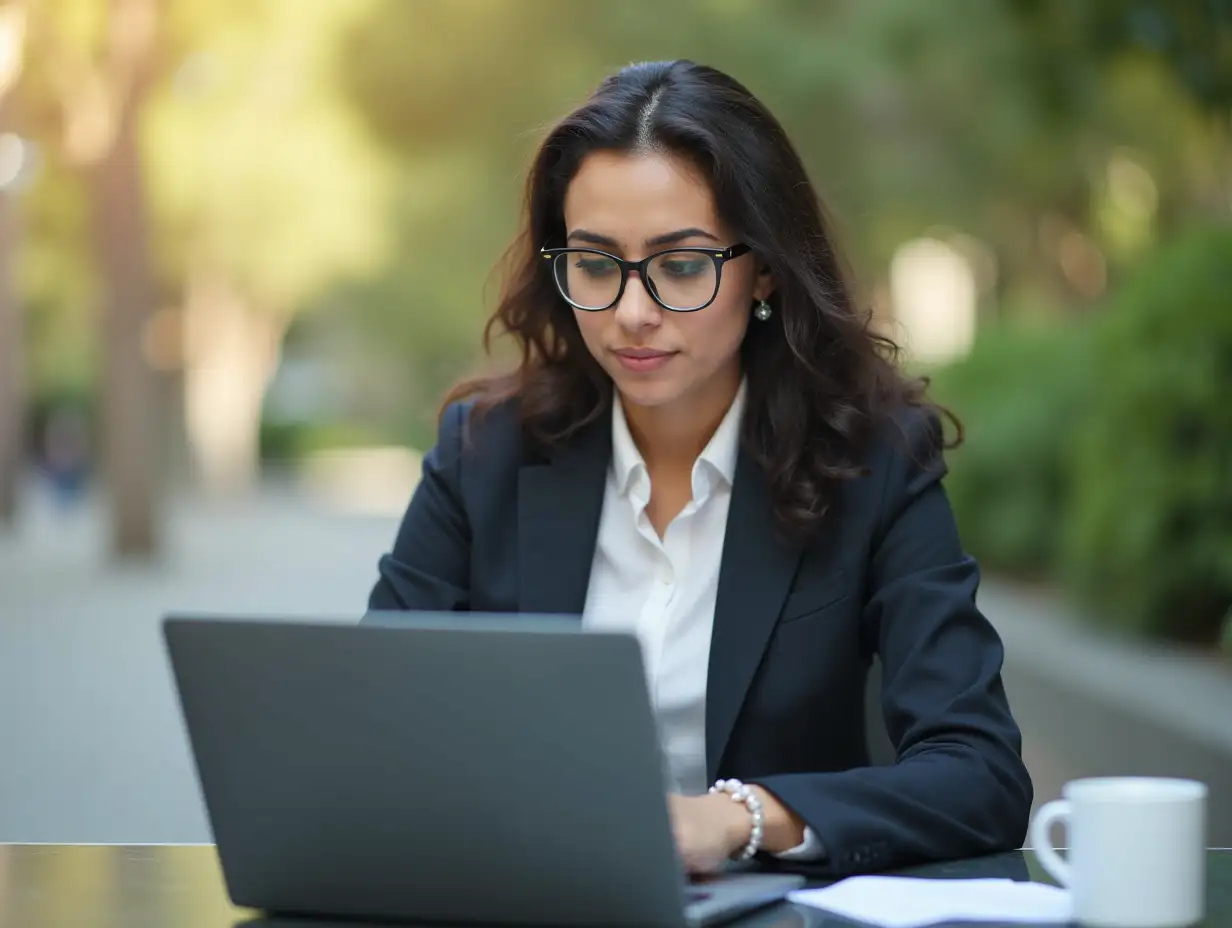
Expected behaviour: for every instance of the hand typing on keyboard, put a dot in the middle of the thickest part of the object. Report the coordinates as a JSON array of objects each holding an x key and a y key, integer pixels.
[{"x": 708, "y": 829}]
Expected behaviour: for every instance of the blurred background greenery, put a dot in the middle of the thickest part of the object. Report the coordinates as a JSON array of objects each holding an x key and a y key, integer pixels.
[{"x": 239, "y": 237}]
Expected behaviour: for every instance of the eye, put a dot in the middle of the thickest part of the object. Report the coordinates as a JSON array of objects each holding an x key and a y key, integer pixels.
[
  {"x": 685, "y": 267},
  {"x": 595, "y": 266}
]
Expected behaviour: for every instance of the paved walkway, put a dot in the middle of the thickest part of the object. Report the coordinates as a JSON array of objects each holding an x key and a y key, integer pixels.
[{"x": 91, "y": 746}]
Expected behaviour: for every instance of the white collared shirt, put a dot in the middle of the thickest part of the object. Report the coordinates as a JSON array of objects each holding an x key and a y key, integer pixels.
[{"x": 664, "y": 590}]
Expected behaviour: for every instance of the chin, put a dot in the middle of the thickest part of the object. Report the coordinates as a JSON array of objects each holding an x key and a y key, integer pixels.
[{"x": 644, "y": 392}]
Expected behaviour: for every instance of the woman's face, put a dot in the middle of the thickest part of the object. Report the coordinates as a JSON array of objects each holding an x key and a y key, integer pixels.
[{"x": 634, "y": 205}]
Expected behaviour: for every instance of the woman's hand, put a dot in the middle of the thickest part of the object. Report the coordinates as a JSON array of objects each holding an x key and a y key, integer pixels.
[{"x": 709, "y": 830}]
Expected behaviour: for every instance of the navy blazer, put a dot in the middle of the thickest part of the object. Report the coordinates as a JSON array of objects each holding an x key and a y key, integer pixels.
[{"x": 495, "y": 526}]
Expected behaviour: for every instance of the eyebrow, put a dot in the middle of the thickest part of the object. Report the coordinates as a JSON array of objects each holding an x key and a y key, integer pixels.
[{"x": 669, "y": 238}]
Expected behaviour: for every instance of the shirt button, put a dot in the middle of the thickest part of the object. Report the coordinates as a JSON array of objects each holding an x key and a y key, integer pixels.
[{"x": 666, "y": 575}]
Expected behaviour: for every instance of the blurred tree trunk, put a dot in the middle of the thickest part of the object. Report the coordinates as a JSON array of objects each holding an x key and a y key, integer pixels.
[
  {"x": 231, "y": 350},
  {"x": 101, "y": 98},
  {"x": 12, "y": 370},
  {"x": 12, "y": 331},
  {"x": 132, "y": 465}
]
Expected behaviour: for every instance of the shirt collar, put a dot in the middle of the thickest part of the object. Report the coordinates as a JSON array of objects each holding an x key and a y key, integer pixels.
[{"x": 719, "y": 456}]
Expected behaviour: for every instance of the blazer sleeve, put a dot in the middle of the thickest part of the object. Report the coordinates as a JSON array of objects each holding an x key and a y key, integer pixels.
[
  {"x": 958, "y": 787},
  {"x": 429, "y": 566}
]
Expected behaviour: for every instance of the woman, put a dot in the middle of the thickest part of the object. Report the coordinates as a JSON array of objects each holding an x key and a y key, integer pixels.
[{"x": 705, "y": 444}]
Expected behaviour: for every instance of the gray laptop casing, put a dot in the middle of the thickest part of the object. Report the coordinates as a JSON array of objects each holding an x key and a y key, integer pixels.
[{"x": 438, "y": 768}]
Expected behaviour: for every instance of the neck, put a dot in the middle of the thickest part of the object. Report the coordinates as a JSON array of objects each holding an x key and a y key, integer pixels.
[{"x": 673, "y": 436}]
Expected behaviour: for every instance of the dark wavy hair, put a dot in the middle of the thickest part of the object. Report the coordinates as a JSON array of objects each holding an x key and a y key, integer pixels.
[{"x": 821, "y": 382}]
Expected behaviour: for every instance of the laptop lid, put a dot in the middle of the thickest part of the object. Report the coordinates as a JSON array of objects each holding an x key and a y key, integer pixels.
[{"x": 435, "y": 767}]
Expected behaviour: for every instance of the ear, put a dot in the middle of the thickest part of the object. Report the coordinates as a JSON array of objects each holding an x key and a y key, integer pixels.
[{"x": 764, "y": 284}]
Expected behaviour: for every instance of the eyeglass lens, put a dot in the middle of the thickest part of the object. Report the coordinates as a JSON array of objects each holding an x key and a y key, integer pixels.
[{"x": 682, "y": 280}]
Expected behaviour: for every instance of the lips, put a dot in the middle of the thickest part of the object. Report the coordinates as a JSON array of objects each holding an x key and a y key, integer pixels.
[
  {"x": 642, "y": 360},
  {"x": 642, "y": 354}
]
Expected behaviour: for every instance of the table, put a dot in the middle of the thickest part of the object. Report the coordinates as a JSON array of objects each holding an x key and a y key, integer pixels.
[{"x": 180, "y": 886}]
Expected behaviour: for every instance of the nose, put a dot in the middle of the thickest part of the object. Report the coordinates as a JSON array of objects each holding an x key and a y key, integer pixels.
[{"x": 636, "y": 309}]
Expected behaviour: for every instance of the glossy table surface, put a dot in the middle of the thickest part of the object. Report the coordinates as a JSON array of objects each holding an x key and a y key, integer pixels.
[{"x": 180, "y": 886}]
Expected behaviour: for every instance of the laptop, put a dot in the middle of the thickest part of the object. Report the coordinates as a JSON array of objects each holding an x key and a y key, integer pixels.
[{"x": 439, "y": 768}]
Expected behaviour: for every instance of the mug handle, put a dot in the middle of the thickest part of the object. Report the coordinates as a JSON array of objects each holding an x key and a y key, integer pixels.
[{"x": 1041, "y": 842}]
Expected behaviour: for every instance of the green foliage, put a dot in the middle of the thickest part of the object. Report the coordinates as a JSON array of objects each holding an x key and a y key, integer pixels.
[
  {"x": 59, "y": 285},
  {"x": 876, "y": 96},
  {"x": 1148, "y": 541},
  {"x": 1099, "y": 455},
  {"x": 257, "y": 168},
  {"x": 1073, "y": 38},
  {"x": 1016, "y": 394},
  {"x": 289, "y": 442}
]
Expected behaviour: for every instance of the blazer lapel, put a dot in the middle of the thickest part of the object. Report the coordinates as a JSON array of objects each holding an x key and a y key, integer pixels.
[
  {"x": 559, "y": 505},
  {"x": 755, "y": 575}
]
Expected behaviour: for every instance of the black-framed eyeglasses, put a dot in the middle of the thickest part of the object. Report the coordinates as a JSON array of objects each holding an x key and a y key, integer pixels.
[{"x": 682, "y": 280}]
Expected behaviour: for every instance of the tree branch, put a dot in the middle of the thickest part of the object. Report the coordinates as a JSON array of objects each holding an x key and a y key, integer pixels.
[{"x": 97, "y": 92}]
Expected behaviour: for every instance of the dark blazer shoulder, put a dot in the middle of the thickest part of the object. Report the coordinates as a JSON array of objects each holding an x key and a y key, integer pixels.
[
  {"x": 904, "y": 457},
  {"x": 469, "y": 429},
  {"x": 477, "y": 442},
  {"x": 457, "y": 516},
  {"x": 912, "y": 436}
]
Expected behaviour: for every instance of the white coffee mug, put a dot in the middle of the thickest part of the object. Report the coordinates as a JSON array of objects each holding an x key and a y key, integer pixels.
[{"x": 1137, "y": 850}]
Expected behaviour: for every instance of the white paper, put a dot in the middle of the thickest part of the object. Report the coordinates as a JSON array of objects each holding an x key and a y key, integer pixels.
[{"x": 913, "y": 902}]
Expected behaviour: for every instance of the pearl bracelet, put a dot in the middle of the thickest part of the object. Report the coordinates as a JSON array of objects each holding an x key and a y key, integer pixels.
[{"x": 741, "y": 793}]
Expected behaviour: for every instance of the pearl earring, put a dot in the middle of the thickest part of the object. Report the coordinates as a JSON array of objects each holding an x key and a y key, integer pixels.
[{"x": 763, "y": 311}]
